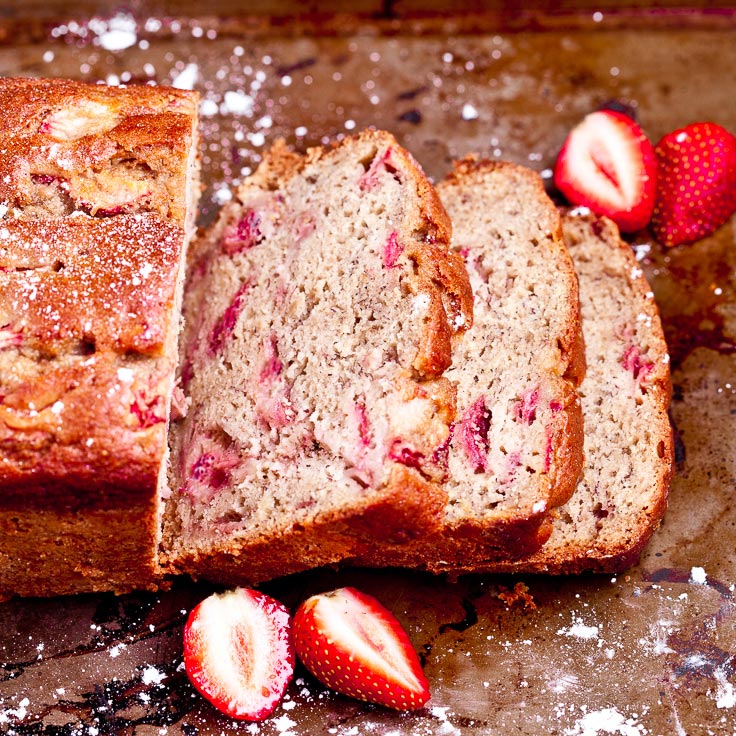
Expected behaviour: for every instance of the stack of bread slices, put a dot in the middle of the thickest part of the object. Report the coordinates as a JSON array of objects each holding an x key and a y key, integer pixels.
[{"x": 372, "y": 370}]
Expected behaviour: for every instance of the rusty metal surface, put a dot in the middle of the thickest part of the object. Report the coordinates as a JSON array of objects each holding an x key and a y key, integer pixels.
[{"x": 649, "y": 652}]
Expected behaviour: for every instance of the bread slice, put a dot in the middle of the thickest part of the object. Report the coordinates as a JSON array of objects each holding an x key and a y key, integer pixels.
[
  {"x": 622, "y": 495},
  {"x": 516, "y": 449},
  {"x": 90, "y": 292},
  {"x": 320, "y": 313}
]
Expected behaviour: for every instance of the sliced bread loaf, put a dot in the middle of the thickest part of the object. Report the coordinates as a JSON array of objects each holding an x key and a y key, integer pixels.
[
  {"x": 622, "y": 495},
  {"x": 90, "y": 291},
  {"x": 516, "y": 446},
  {"x": 320, "y": 313}
]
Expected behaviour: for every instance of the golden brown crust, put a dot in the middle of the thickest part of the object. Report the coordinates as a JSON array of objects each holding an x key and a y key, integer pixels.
[
  {"x": 64, "y": 282},
  {"x": 76, "y": 301},
  {"x": 408, "y": 505},
  {"x": 65, "y": 550},
  {"x": 566, "y": 437},
  {"x": 94, "y": 147}
]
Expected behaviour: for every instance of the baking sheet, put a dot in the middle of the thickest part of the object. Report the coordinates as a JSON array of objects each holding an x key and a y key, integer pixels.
[{"x": 652, "y": 651}]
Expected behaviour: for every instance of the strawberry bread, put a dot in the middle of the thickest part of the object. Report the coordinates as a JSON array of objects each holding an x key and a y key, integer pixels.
[
  {"x": 622, "y": 494},
  {"x": 320, "y": 314},
  {"x": 98, "y": 187},
  {"x": 516, "y": 447}
]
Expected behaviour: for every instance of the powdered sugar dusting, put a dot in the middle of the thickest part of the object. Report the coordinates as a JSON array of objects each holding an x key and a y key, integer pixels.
[
  {"x": 607, "y": 720},
  {"x": 698, "y": 576},
  {"x": 580, "y": 630}
]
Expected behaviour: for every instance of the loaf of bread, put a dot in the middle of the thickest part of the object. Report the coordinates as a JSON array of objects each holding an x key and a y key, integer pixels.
[
  {"x": 516, "y": 449},
  {"x": 320, "y": 314},
  {"x": 98, "y": 187},
  {"x": 622, "y": 495}
]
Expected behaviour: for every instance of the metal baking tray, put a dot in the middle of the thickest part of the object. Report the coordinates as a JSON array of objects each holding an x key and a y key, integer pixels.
[{"x": 648, "y": 652}]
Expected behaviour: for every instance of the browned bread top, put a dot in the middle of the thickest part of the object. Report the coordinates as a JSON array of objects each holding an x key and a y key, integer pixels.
[
  {"x": 79, "y": 284},
  {"x": 98, "y": 187},
  {"x": 68, "y": 146},
  {"x": 79, "y": 310}
]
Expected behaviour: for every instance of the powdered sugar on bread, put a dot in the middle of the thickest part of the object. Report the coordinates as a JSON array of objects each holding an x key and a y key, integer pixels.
[{"x": 90, "y": 290}]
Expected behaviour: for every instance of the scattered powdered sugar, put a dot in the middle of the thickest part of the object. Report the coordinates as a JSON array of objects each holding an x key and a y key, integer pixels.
[
  {"x": 441, "y": 714},
  {"x": 283, "y": 724},
  {"x": 563, "y": 683},
  {"x": 152, "y": 676},
  {"x": 116, "y": 34},
  {"x": 607, "y": 720},
  {"x": 237, "y": 103},
  {"x": 115, "y": 651},
  {"x": 698, "y": 576},
  {"x": 15, "y": 714},
  {"x": 725, "y": 692},
  {"x": 470, "y": 112},
  {"x": 187, "y": 77},
  {"x": 580, "y": 630}
]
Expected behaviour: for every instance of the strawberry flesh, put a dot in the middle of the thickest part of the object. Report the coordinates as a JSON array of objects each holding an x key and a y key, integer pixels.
[
  {"x": 608, "y": 165},
  {"x": 696, "y": 183},
  {"x": 238, "y": 652},
  {"x": 354, "y": 645}
]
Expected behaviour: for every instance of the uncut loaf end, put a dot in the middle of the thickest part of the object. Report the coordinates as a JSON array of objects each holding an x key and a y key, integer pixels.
[{"x": 98, "y": 188}]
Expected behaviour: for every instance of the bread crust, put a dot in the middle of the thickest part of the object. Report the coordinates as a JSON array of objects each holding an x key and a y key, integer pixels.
[
  {"x": 93, "y": 147},
  {"x": 407, "y": 506}
]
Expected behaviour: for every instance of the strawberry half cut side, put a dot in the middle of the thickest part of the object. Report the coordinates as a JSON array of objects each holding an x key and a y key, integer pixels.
[
  {"x": 238, "y": 652},
  {"x": 608, "y": 165},
  {"x": 696, "y": 183},
  {"x": 354, "y": 645}
]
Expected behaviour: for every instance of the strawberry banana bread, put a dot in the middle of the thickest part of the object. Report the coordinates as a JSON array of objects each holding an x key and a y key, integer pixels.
[
  {"x": 622, "y": 495},
  {"x": 319, "y": 315},
  {"x": 516, "y": 449},
  {"x": 98, "y": 187}
]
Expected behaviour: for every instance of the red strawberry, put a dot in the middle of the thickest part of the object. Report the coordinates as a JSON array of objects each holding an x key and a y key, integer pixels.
[
  {"x": 696, "y": 185},
  {"x": 352, "y": 644},
  {"x": 238, "y": 652},
  {"x": 607, "y": 164}
]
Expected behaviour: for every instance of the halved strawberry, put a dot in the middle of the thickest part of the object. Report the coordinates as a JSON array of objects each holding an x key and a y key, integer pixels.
[
  {"x": 238, "y": 652},
  {"x": 696, "y": 183},
  {"x": 354, "y": 645},
  {"x": 607, "y": 164}
]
